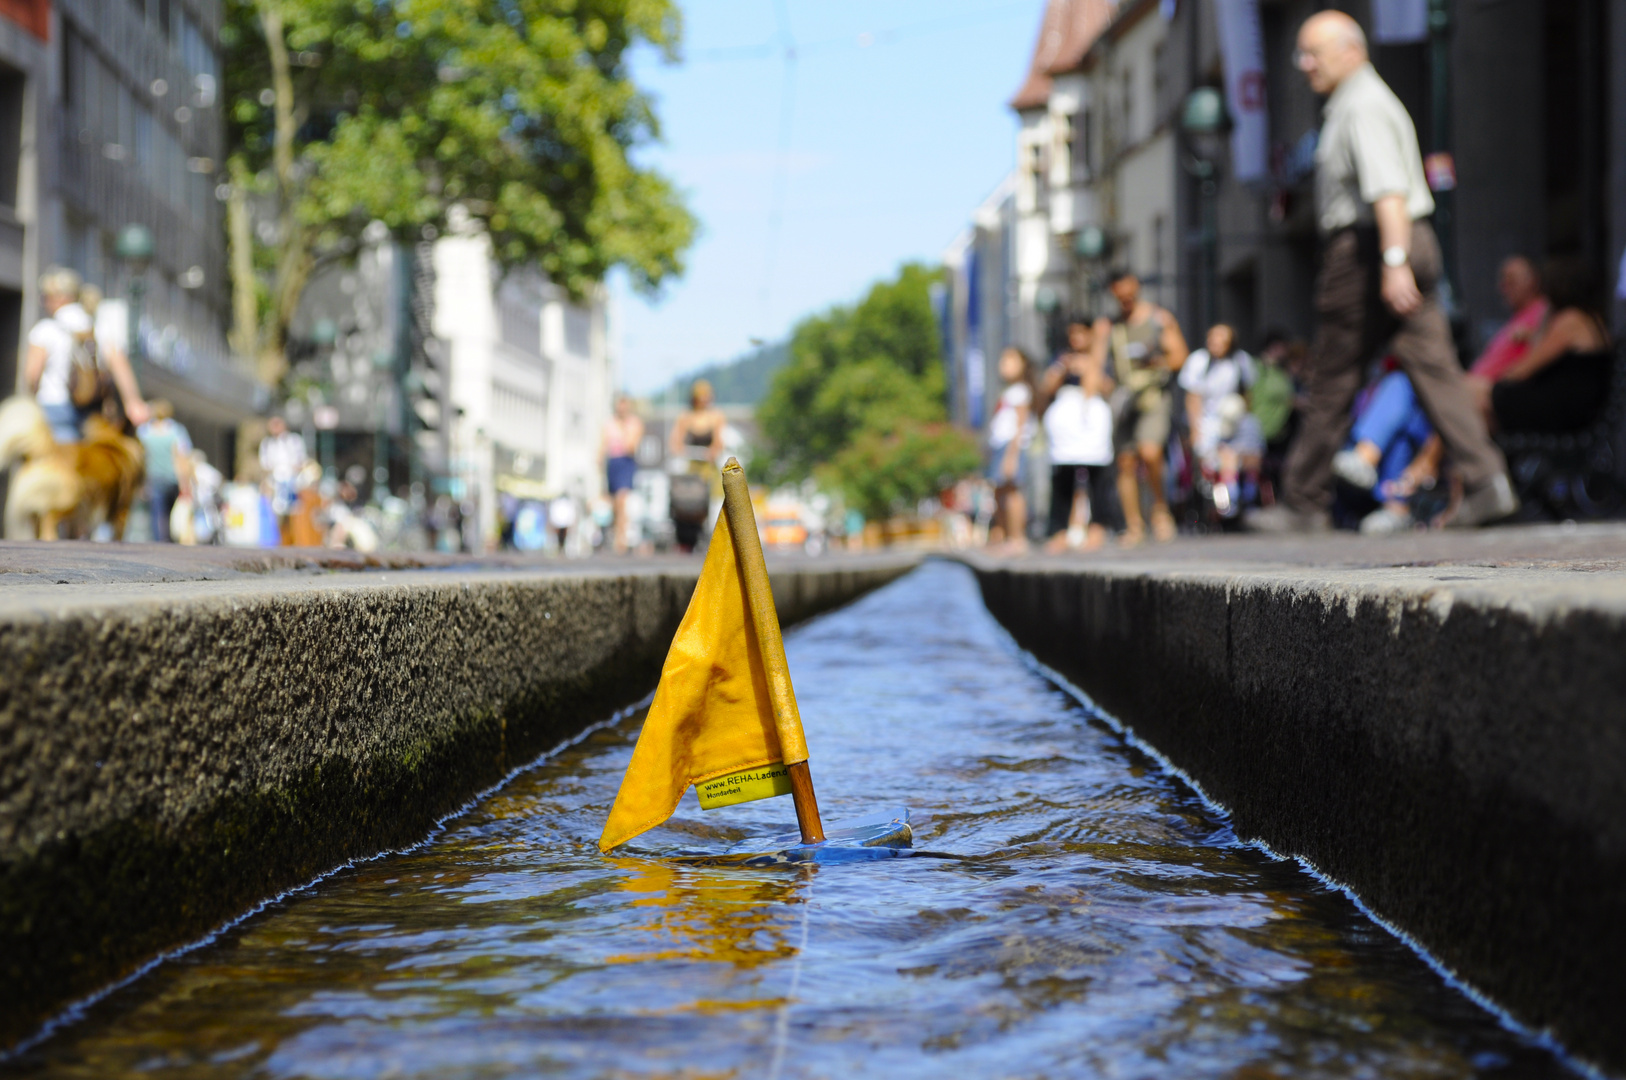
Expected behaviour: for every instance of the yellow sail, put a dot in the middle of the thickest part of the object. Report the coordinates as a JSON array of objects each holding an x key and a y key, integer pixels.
[{"x": 712, "y": 716}]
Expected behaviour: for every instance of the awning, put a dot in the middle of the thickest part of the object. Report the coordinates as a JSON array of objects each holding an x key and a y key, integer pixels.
[{"x": 216, "y": 396}]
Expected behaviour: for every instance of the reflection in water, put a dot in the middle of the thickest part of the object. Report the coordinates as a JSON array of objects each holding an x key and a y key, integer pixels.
[
  {"x": 707, "y": 915},
  {"x": 1101, "y": 923}
]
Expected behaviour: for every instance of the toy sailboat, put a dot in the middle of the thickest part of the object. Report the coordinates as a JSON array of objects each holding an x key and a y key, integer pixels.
[{"x": 724, "y": 717}]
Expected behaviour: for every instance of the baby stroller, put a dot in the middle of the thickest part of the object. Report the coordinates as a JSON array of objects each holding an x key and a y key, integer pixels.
[{"x": 690, "y": 496}]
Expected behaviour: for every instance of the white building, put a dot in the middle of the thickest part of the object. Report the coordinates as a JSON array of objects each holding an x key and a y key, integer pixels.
[
  {"x": 1094, "y": 187},
  {"x": 1057, "y": 170},
  {"x": 1095, "y": 165},
  {"x": 532, "y": 376},
  {"x": 982, "y": 305},
  {"x": 1134, "y": 183}
]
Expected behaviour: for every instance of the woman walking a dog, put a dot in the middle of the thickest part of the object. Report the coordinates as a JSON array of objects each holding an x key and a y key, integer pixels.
[{"x": 63, "y": 369}]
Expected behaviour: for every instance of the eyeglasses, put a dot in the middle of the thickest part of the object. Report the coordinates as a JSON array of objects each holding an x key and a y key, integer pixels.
[{"x": 1314, "y": 54}]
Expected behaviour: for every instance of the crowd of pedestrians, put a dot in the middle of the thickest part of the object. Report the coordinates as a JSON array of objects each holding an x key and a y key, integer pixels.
[
  {"x": 1374, "y": 424},
  {"x": 73, "y": 370},
  {"x": 1129, "y": 426},
  {"x": 1126, "y": 431}
]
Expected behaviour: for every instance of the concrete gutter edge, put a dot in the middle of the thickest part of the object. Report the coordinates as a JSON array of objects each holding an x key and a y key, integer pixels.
[
  {"x": 1449, "y": 742},
  {"x": 173, "y": 755}
]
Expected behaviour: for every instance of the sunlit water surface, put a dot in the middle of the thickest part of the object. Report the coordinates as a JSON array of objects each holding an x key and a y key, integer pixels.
[{"x": 1102, "y": 922}]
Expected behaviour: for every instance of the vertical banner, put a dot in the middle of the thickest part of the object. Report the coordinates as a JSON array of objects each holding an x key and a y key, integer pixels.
[
  {"x": 975, "y": 364},
  {"x": 1243, "y": 47},
  {"x": 942, "y": 295},
  {"x": 1399, "y": 22}
]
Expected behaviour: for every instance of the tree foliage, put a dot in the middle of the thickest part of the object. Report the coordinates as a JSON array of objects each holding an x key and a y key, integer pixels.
[
  {"x": 516, "y": 115},
  {"x": 861, "y": 402},
  {"x": 881, "y": 474}
]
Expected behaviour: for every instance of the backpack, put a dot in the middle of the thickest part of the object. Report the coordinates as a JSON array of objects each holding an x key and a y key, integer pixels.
[{"x": 88, "y": 383}]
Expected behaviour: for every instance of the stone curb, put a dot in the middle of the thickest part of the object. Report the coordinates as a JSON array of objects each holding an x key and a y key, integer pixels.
[
  {"x": 1449, "y": 741},
  {"x": 172, "y": 754}
]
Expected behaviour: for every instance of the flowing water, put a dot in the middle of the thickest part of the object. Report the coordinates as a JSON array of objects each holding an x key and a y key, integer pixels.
[{"x": 1101, "y": 921}]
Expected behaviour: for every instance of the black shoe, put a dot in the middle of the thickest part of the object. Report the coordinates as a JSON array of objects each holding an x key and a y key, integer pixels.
[
  {"x": 1485, "y": 504},
  {"x": 1281, "y": 520}
]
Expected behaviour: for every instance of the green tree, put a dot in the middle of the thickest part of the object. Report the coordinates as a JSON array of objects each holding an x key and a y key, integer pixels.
[
  {"x": 860, "y": 405},
  {"x": 881, "y": 474},
  {"x": 518, "y": 114}
]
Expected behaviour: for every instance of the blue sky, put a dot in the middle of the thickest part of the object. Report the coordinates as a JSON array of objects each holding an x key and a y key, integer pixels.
[{"x": 896, "y": 129}]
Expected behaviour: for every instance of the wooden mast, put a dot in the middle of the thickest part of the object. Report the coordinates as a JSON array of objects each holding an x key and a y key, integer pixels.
[{"x": 742, "y": 524}]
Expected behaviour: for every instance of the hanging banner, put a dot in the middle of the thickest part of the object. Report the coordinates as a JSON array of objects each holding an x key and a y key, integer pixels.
[
  {"x": 975, "y": 362},
  {"x": 1243, "y": 46},
  {"x": 1399, "y": 22}
]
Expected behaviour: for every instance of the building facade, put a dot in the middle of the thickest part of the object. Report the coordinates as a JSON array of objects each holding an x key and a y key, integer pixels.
[
  {"x": 982, "y": 303},
  {"x": 368, "y": 382},
  {"x": 1134, "y": 154},
  {"x": 1095, "y": 178},
  {"x": 1060, "y": 165},
  {"x": 25, "y": 36},
  {"x": 110, "y": 116},
  {"x": 531, "y": 377}
]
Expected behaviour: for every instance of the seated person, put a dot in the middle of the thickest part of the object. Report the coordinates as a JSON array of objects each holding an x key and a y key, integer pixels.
[
  {"x": 1522, "y": 293},
  {"x": 1562, "y": 383},
  {"x": 1396, "y": 483},
  {"x": 1390, "y": 430},
  {"x": 1226, "y": 438}
]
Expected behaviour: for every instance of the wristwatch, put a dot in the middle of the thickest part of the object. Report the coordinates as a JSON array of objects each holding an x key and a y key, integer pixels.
[{"x": 1396, "y": 257}]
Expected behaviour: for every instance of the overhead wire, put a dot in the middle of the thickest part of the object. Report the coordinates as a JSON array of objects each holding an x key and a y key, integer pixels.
[
  {"x": 784, "y": 44},
  {"x": 905, "y": 31},
  {"x": 776, "y": 199}
]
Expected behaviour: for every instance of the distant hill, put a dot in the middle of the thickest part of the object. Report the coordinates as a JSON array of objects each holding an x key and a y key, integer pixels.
[{"x": 741, "y": 381}]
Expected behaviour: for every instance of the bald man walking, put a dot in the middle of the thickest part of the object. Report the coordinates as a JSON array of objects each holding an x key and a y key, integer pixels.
[{"x": 1380, "y": 270}]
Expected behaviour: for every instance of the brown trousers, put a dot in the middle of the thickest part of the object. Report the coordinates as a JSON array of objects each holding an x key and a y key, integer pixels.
[{"x": 1352, "y": 325}]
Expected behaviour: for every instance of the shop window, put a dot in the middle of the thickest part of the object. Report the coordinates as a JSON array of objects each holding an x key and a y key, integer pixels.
[{"x": 12, "y": 87}]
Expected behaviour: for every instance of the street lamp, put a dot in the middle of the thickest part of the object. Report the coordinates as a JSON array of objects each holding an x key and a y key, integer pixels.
[
  {"x": 1205, "y": 123},
  {"x": 383, "y": 366},
  {"x": 135, "y": 248},
  {"x": 1092, "y": 243}
]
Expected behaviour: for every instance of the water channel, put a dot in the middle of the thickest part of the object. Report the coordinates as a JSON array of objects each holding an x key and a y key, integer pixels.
[{"x": 1101, "y": 920}]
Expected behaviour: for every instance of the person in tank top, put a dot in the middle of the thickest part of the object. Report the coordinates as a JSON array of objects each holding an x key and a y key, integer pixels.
[
  {"x": 697, "y": 434},
  {"x": 697, "y": 437},
  {"x": 1563, "y": 382},
  {"x": 623, "y": 431},
  {"x": 1140, "y": 347}
]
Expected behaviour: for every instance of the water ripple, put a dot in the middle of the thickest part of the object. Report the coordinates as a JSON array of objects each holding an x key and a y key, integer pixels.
[{"x": 1087, "y": 916}]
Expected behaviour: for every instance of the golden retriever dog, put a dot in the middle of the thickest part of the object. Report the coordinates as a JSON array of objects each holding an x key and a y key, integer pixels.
[{"x": 82, "y": 484}]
